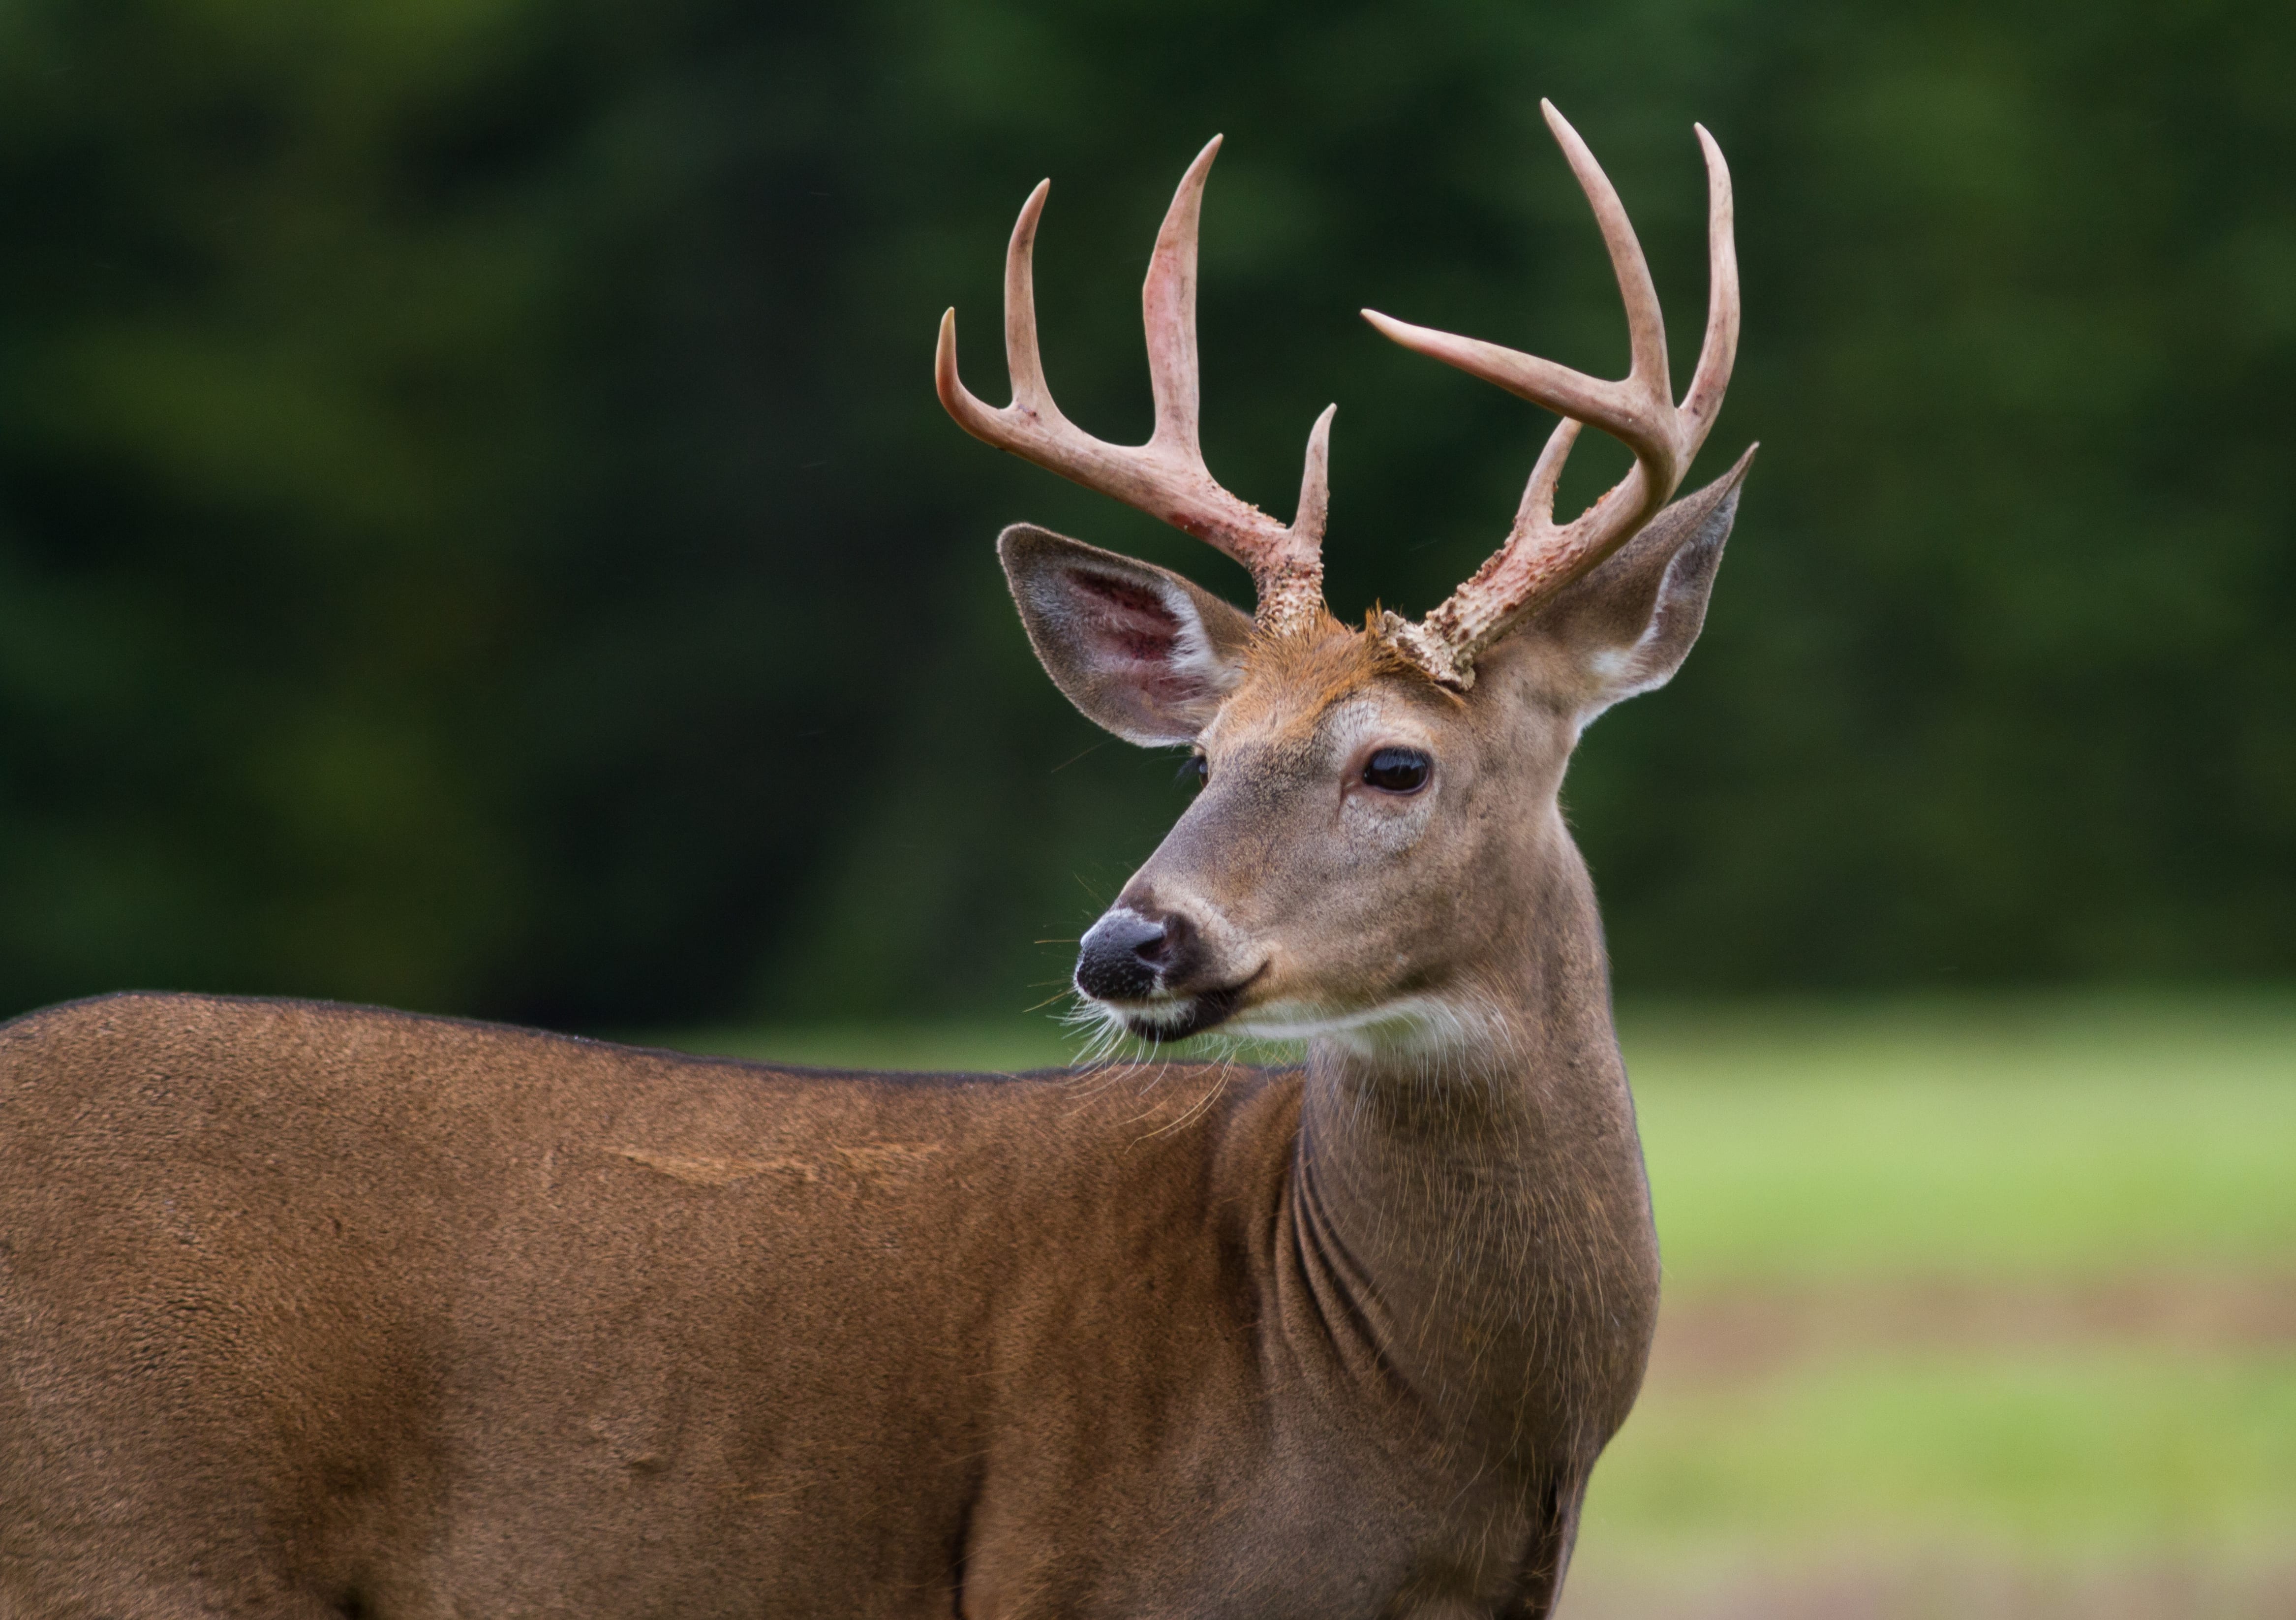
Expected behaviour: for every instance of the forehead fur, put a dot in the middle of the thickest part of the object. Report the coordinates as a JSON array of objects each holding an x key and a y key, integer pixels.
[{"x": 1291, "y": 680}]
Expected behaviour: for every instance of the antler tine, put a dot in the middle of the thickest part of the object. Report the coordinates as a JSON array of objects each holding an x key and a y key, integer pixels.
[
  {"x": 1316, "y": 485},
  {"x": 1635, "y": 408},
  {"x": 1646, "y": 322},
  {"x": 1166, "y": 477},
  {"x": 1536, "y": 511},
  {"x": 1719, "y": 352},
  {"x": 1168, "y": 313},
  {"x": 1022, "y": 359},
  {"x": 1541, "y": 557}
]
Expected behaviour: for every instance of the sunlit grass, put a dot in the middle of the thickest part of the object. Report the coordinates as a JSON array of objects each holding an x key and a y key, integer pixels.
[
  {"x": 2088, "y": 1451},
  {"x": 1993, "y": 1138}
]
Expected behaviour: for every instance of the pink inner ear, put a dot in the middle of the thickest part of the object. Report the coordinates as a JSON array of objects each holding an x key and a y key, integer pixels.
[
  {"x": 1133, "y": 636},
  {"x": 1126, "y": 622}
]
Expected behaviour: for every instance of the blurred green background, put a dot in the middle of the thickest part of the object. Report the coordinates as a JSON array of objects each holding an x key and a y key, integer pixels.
[{"x": 476, "y": 533}]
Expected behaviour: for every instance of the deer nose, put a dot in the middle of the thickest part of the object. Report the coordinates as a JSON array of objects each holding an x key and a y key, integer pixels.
[{"x": 1124, "y": 955}]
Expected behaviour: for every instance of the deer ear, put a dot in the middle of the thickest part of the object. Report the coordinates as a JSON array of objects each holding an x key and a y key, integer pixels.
[
  {"x": 1626, "y": 628},
  {"x": 1141, "y": 650}
]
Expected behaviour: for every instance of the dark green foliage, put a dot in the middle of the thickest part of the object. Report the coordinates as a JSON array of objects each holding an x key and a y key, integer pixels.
[{"x": 475, "y": 532}]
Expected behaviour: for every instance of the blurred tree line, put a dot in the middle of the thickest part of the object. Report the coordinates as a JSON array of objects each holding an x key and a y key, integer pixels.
[{"x": 475, "y": 532}]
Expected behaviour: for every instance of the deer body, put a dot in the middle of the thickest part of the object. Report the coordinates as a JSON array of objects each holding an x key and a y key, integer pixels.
[
  {"x": 309, "y": 1309},
  {"x": 316, "y": 1309}
]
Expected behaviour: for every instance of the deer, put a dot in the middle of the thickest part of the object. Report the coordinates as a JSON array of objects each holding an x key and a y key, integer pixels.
[{"x": 309, "y": 1310}]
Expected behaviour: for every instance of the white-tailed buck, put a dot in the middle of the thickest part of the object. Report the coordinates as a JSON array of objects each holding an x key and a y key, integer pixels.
[{"x": 309, "y": 1310}]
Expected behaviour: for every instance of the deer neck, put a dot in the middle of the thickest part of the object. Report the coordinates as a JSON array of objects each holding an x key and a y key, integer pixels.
[{"x": 1479, "y": 1197}]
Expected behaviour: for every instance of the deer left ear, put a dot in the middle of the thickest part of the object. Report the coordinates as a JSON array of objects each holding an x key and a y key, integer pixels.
[
  {"x": 1626, "y": 626},
  {"x": 1142, "y": 651}
]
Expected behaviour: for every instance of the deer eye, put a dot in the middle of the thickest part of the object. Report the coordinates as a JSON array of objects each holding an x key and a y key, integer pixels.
[
  {"x": 1195, "y": 770},
  {"x": 1397, "y": 771}
]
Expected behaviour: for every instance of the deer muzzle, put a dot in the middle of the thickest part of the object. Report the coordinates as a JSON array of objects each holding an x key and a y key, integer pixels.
[{"x": 1151, "y": 966}]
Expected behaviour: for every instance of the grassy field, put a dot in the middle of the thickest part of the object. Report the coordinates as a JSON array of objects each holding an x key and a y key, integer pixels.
[{"x": 1974, "y": 1307}]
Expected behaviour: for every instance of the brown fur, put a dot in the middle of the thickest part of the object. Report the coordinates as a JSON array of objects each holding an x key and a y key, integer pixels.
[
  {"x": 1302, "y": 674},
  {"x": 311, "y": 1311},
  {"x": 315, "y": 1310}
]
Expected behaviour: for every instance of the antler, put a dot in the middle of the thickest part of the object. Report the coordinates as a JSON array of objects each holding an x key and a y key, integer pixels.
[
  {"x": 1541, "y": 557},
  {"x": 1166, "y": 477}
]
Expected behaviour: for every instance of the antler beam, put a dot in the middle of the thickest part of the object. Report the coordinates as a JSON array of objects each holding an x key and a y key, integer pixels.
[
  {"x": 1165, "y": 477},
  {"x": 1540, "y": 556}
]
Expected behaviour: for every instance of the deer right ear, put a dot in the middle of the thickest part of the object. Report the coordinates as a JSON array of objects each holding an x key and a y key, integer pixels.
[
  {"x": 1141, "y": 650},
  {"x": 1628, "y": 624}
]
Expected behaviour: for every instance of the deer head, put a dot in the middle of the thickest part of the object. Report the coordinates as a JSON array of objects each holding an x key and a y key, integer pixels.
[{"x": 1377, "y": 841}]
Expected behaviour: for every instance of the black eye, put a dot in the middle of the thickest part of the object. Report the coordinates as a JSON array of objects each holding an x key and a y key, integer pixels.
[
  {"x": 1397, "y": 771},
  {"x": 1195, "y": 770}
]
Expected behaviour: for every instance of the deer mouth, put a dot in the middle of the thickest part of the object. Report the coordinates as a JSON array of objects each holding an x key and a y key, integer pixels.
[
  {"x": 1191, "y": 1013},
  {"x": 1178, "y": 1020}
]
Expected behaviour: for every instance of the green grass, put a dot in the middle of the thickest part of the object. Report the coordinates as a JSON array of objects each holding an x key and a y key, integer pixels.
[
  {"x": 2086, "y": 1452},
  {"x": 2023, "y": 1147},
  {"x": 1989, "y": 1138}
]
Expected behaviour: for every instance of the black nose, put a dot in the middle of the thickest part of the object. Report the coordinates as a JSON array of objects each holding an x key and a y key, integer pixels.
[{"x": 1125, "y": 953}]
